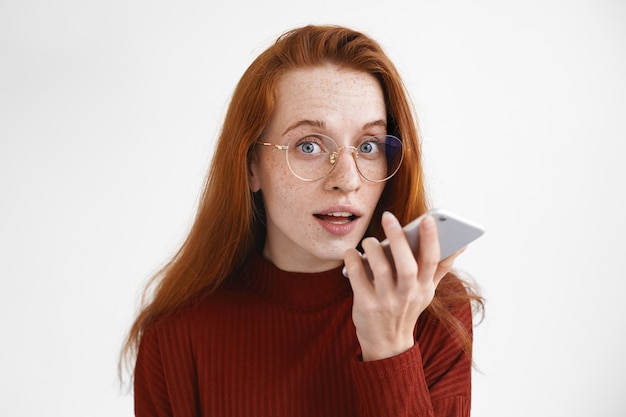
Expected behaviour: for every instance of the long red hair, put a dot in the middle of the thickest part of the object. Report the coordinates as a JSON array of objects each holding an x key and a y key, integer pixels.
[{"x": 229, "y": 221}]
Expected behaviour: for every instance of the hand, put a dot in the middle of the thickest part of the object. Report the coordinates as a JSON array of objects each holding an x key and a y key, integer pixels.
[{"x": 386, "y": 308}]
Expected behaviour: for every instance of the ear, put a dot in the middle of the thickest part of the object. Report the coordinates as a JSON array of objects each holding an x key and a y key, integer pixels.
[{"x": 253, "y": 173}]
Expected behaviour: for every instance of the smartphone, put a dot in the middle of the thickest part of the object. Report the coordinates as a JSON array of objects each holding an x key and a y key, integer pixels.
[{"x": 454, "y": 233}]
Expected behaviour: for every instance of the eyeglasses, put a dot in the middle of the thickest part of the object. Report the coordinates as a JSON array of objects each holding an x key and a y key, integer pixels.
[{"x": 312, "y": 156}]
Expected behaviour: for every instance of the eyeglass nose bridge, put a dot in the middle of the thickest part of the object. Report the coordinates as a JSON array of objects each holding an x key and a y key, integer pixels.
[{"x": 334, "y": 156}]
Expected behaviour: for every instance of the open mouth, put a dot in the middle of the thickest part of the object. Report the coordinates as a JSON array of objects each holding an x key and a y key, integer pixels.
[{"x": 340, "y": 217}]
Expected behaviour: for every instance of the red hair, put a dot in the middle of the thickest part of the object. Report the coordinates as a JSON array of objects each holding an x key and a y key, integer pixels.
[{"x": 229, "y": 221}]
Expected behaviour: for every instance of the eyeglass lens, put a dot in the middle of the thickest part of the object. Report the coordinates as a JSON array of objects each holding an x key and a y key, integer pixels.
[{"x": 313, "y": 156}]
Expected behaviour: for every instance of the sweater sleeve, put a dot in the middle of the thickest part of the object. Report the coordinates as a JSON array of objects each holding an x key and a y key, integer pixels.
[
  {"x": 151, "y": 396},
  {"x": 432, "y": 379},
  {"x": 165, "y": 377}
]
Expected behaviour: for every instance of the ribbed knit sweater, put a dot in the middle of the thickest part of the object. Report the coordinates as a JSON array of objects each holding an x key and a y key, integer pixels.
[{"x": 275, "y": 343}]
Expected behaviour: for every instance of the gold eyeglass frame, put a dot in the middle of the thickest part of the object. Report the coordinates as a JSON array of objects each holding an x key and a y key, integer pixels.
[{"x": 333, "y": 156}]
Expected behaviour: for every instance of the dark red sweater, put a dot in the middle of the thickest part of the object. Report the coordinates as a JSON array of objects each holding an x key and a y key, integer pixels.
[{"x": 273, "y": 343}]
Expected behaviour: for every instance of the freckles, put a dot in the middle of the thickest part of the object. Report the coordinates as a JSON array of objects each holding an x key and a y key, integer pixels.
[
  {"x": 284, "y": 196},
  {"x": 284, "y": 189}
]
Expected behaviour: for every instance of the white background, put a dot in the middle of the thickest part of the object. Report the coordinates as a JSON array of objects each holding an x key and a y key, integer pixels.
[{"x": 108, "y": 115}]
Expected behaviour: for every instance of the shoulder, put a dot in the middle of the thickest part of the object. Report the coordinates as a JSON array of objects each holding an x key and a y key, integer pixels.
[{"x": 202, "y": 308}]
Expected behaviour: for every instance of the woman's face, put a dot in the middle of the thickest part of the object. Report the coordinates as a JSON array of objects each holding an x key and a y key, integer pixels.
[{"x": 310, "y": 224}]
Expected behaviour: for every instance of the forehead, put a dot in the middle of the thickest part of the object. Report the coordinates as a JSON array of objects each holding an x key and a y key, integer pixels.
[{"x": 335, "y": 96}]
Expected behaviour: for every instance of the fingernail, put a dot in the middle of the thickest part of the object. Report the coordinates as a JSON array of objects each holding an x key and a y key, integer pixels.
[{"x": 389, "y": 217}]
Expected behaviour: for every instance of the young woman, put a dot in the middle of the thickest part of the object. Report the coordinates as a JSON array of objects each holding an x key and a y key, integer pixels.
[{"x": 253, "y": 316}]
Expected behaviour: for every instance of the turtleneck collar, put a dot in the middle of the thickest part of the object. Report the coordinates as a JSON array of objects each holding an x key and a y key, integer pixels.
[{"x": 296, "y": 290}]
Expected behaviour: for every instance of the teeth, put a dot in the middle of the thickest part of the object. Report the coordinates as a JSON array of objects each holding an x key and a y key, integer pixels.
[{"x": 340, "y": 214}]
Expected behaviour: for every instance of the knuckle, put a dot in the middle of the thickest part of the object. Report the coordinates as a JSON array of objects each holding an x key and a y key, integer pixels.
[
  {"x": 382, "y": 269},
  {"x": 429, "y": 262},
  {"x": 427, "y": 294},
  {"x": 411, "y": 269},
  {"x": 408, "y": 273}
]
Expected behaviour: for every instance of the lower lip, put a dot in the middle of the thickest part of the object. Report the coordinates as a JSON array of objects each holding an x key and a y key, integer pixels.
[{"x": 337, "y": 229}]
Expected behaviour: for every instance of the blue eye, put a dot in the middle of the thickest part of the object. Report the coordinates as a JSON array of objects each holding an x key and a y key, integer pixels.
[
  {"x": 309, "y": 147},
  {"x": 369, "y": 147},
  {"x": 366, "y": 147}
]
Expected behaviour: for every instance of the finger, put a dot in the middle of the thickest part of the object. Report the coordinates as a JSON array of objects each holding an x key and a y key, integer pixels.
[
  {"x": 445, "y": 265},
  {"x": 380, "y": 265},
  {"x": 429, "y": 252},
  {"x": 357, "y": 274},
  {"x": 405, "y": 265}
]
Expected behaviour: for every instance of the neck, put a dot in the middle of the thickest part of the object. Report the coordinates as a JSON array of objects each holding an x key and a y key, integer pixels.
[{"x": 304, "y": 263}]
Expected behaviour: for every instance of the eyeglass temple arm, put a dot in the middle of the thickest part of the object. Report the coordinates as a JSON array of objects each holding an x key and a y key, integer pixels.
[{"x": 281, "y": 147}]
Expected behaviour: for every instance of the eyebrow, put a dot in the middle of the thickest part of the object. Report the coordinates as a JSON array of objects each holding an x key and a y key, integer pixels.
[
  {"x": 305, "y": 122},
  {"x": 321, "y": 124}
]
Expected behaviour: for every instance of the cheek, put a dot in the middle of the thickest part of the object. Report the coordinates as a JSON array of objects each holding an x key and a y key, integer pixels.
[
  {"x": 270, "y": 174},
  {"x": 375, "y": 192},
  {"x": 289, "y": 197},
  {"x": 280, "y": 194}
]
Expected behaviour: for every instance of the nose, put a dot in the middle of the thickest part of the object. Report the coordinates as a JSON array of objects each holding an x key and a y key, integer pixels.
[{"x": 344, "y": 175}]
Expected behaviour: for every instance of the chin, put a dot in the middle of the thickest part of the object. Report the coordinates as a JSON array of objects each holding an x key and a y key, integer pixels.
[{"x": 335, "y": 252}]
